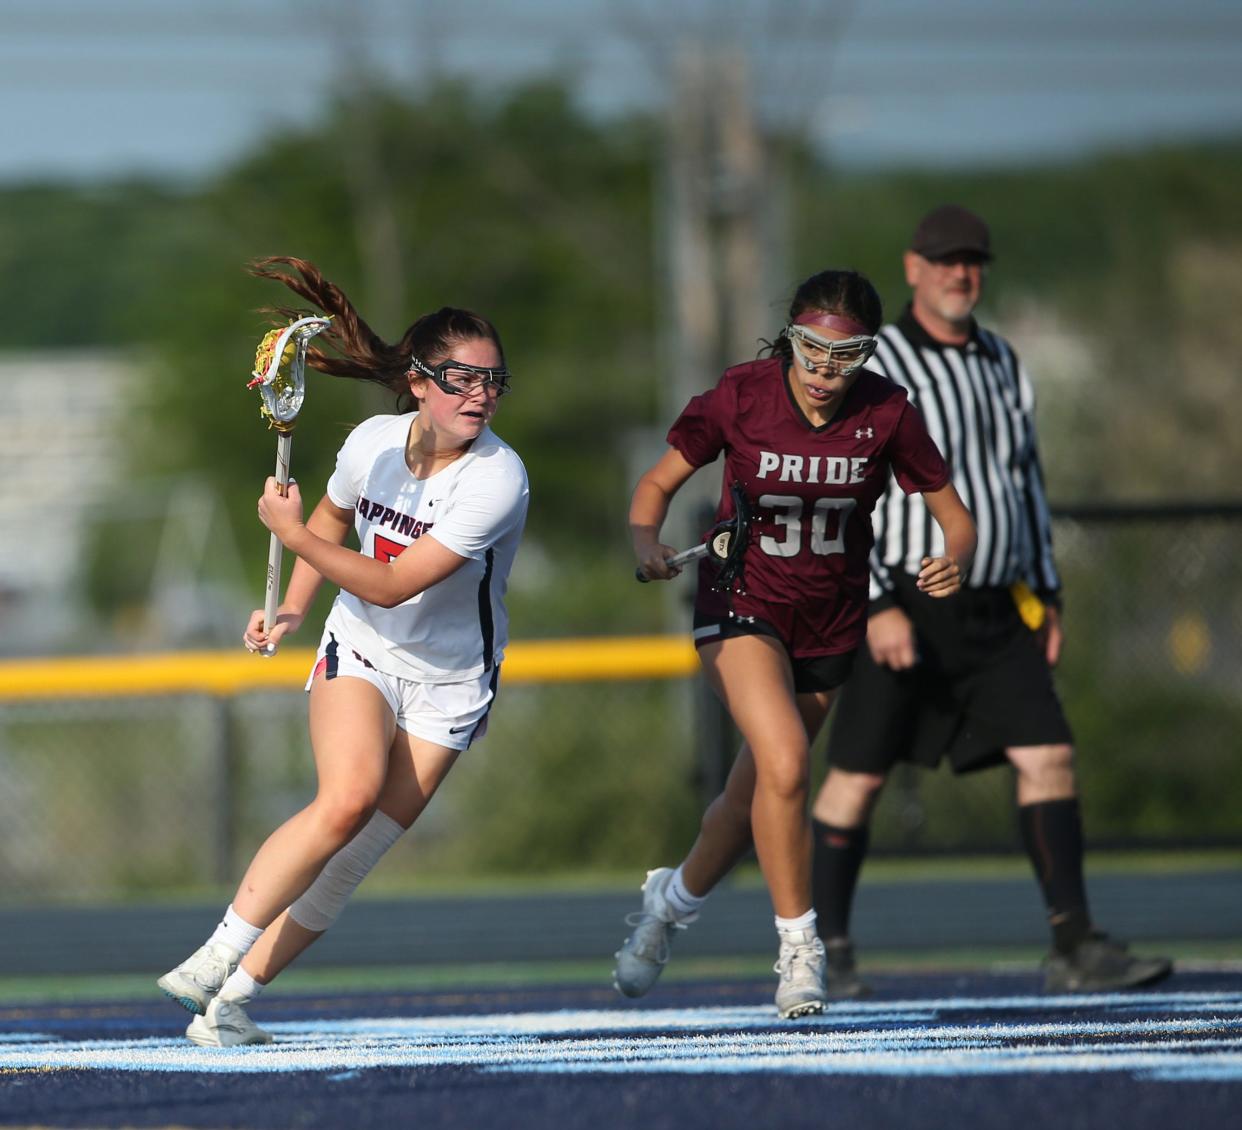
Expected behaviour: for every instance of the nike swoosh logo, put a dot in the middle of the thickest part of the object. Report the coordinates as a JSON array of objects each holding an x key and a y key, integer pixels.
[{"x": 458, "y": 729}]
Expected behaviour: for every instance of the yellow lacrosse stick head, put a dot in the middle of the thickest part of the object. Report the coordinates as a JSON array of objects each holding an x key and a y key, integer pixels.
[
  {"x": 279, "y": 370},
  {"x": 267, "y": 350}
]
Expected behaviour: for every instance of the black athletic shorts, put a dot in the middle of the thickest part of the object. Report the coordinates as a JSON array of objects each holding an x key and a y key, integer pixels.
[
  {"x": 810, "y": 672},
  {"x": 980, "y": 686}
]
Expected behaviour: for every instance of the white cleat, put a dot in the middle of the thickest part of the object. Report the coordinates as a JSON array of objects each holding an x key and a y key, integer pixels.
[
  {"x": 644, "y": 954},
  {"x": 200, "y": 977},
  {"x": 226, "y": 1024},
  {"x": 800, "y": 991}
]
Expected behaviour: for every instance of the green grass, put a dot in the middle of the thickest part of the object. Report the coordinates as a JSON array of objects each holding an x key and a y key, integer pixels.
[
  {"x": 879, "y": 869},
  {"x": 588, "y": 974}
]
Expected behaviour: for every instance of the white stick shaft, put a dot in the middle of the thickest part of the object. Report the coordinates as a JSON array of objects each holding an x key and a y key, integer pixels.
[
  {"x": 284, "y": 445},
  {"x": 272, "y": 598},
  {"x": 687, "y": 555}
]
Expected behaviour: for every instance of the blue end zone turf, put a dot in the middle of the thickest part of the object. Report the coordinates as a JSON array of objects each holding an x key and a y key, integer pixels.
[{"x": 927, "y": 1051}]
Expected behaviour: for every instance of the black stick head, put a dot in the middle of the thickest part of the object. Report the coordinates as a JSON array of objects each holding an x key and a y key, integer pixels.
[{"x": 737, "y": 530}]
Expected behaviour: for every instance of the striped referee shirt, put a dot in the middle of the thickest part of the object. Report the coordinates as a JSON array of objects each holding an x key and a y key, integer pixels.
[{"x": 980, "y": 409}]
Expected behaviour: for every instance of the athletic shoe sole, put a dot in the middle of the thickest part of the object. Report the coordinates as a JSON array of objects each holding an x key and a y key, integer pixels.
[
  {"x": 174, "y": 991},
  {"x": 807, "y": 1008}
]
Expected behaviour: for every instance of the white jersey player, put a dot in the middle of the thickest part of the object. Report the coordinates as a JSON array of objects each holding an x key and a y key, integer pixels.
[
  {"x": 474, "y": 507},
  {"x": 409, "y": 660}
]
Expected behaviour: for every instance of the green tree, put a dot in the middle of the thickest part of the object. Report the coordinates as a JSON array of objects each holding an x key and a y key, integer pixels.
[{"x": 517, "y": 206}]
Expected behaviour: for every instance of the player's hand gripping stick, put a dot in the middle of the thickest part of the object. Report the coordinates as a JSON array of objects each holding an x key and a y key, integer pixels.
[
  {"x": 716, "y": 548},
  {"x": 723, "y": 547}
]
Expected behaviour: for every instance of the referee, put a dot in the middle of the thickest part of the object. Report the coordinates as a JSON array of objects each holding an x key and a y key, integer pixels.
[{"x": 968, "y": 679}]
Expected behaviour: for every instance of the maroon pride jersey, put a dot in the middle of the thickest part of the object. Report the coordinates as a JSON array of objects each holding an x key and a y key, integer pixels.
[{"x": 811, "y": 489}]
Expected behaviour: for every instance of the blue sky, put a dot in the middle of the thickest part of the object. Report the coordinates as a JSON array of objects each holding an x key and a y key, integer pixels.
[{"x": 179, "y": 87}]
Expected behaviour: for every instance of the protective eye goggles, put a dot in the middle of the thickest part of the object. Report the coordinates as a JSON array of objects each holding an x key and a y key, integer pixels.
[
  {"x": 846, "y": 355},
  {"x": 459, "y": 379}
]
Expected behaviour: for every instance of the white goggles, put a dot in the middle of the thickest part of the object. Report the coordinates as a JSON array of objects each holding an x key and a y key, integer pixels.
[{"x": 846, "y": 355}]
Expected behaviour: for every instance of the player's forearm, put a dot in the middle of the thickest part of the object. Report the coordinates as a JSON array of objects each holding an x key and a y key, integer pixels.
[
  {"x": 368, "y": 579},
  {"x": 956, "y": 524},
  {"x": 303, "y": 587},
  {"x": 648, "y": 509},
  {"x": 305, "y": 580},
  {"x": 960, "y": 539}
]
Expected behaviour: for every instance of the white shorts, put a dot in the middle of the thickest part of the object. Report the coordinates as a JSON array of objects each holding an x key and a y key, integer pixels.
[{"x": 449, "y": 714}]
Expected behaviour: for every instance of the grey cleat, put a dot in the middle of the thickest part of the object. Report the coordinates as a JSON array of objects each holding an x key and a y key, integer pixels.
[
  {"x": 226, "y": 1024},
  {"x": 800, "y": 991},
  {"x": 644, "y": 954},
  {"x": 200, "y": 977}
]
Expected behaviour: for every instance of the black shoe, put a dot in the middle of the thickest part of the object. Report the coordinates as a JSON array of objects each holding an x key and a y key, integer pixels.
[
  {"x": 841, "y": 980},
  {"x": 1099, "y": 964}
]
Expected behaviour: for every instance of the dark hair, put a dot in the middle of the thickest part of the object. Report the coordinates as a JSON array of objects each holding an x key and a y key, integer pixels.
[
  {"x": 357, "y": 352},
  {"x": 846, "y": 293}
]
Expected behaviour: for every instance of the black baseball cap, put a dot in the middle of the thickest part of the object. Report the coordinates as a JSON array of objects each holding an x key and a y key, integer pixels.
[{"x": 951, "y": 229}]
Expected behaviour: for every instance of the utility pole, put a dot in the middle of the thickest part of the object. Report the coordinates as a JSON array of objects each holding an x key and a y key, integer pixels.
[
  {"x": 719, "y": 246},
  {"x": 692, "y": 284},
  {"x": 719, "y": 265},
  {"x": 377, "y": 229}
]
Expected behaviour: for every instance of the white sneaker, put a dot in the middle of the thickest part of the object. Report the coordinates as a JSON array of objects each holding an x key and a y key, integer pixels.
[
  {"x": 800, "y": 991},
  {"x": 225, "y": 1024},
  {"x": 199, "y": 978},
  {"x": 643, "y": 955}
]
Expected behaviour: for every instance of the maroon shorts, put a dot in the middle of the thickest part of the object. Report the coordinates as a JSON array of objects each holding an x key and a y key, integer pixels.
[{"x": 815, "y": 668}]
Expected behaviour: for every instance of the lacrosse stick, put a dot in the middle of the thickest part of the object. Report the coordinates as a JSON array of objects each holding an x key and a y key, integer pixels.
[
  {"x": 723, "y": 547},
  {"x": 280, "y": 376}
]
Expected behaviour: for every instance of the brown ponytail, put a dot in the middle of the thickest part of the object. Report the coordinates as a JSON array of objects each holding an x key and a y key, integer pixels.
[{"x": 356, "y": 351}]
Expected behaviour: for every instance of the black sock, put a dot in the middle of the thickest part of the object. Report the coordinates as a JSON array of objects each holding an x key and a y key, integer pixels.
[
  {"x": 1052, "y": 835},
  {"x": 836, "y": 860}
]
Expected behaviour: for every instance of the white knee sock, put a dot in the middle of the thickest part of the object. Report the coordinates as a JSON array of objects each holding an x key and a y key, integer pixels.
[{"x": 326, "y": 897}]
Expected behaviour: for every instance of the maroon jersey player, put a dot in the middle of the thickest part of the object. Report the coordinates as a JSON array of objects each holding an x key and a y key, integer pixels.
[
  {"x": 811, "y": 488},
  {"x": 809, "y": 436}
]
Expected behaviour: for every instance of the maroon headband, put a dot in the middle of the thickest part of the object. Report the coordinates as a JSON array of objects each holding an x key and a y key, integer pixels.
[{"x": 832, "y": 322}]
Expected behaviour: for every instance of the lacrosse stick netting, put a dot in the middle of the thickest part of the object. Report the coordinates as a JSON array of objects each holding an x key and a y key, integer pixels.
[{"x": 280, "y": 376}]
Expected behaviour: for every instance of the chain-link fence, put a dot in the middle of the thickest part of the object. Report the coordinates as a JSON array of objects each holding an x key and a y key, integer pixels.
[{"x": 165, "y": 794}]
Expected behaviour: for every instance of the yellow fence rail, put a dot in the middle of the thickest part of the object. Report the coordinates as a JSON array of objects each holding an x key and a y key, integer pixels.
[{"x": 230, "y": 673}]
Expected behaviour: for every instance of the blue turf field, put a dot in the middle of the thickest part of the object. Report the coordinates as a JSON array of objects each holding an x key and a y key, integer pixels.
[{"x": 928, "y": 1051}]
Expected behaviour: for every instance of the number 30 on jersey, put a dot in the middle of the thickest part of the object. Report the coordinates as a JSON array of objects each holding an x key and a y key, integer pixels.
[{"x": 788, "y": 514}]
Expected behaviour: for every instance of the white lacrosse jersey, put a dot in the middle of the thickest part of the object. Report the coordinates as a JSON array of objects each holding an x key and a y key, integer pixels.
[{"x": 476, "y": 507}]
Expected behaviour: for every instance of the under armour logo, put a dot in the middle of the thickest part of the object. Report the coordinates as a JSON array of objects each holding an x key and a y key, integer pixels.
[{"x": 864, "y": 433}]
